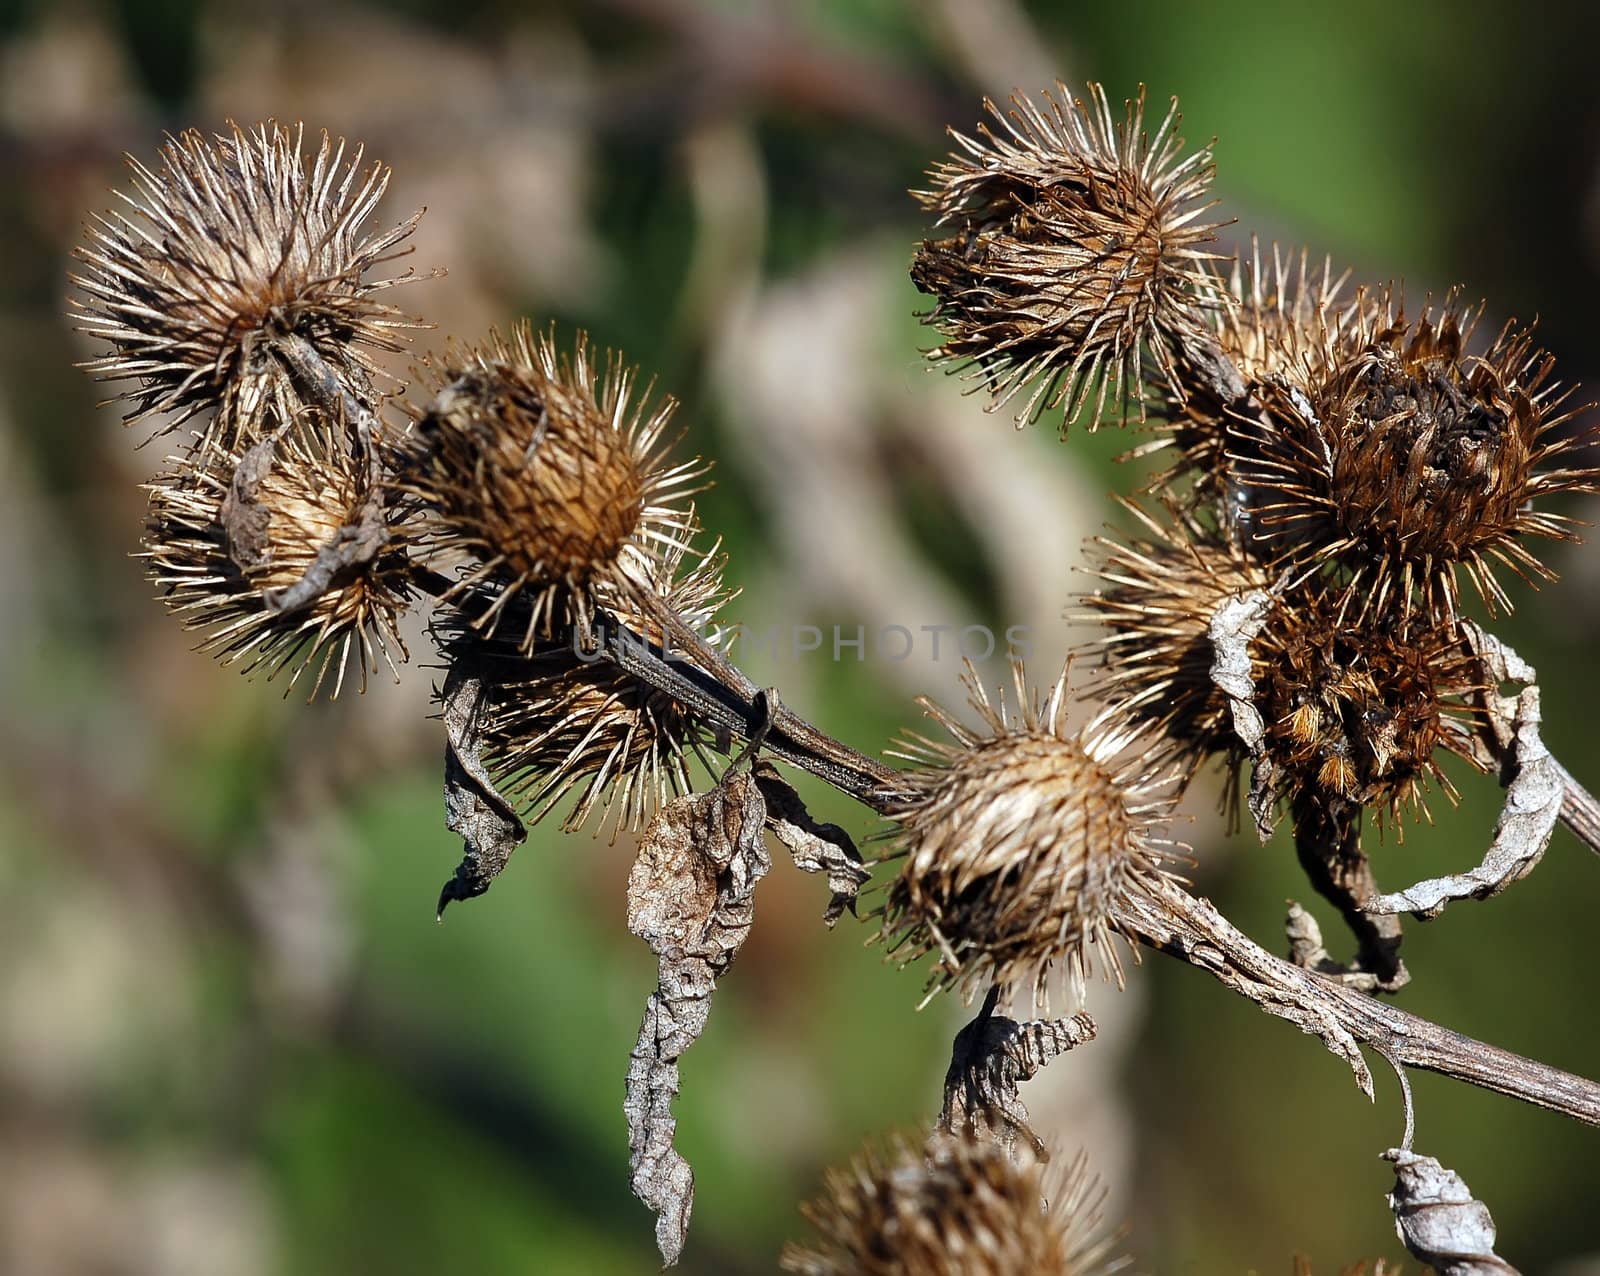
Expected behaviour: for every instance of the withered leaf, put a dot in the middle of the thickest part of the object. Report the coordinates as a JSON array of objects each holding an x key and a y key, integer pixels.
[
  {"x": 691, "y": 897},
  {"x": 244, "y": 517},
  {"x": 991, "y": 1057},
  {"x": 1233, "y": 625},
  {"x": 1440, "y": 1221},
  {"x": 816, "y": 848},
  {"x": 1534, "y": 793},
  {"x": 473, "y": 808}
]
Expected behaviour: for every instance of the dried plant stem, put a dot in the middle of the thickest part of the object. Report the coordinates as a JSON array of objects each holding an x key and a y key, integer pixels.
[
  {"x": 1327, "y": 838},
  {"x": 1580, "y": 811},
  {"x": 1344, "y": 1018}
]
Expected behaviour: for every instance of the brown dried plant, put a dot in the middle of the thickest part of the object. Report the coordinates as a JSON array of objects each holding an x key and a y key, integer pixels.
[
  {"x": 955, "y": 1207},
  {"x": 545, "y": 471},
  {"x": 1021, "y": 842},
  {"x": 229, "y": 241},
  {"x": 1290, "y": 607},
  {"x": 1072, "y": 251}
]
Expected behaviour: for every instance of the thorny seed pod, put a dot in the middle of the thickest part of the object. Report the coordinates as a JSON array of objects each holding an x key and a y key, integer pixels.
[
  {"x": 1401, "y": 456},
  {"x": 226, "y": 534},
  {"x": 547, "y": 472},
  {"x": 1157, "y": 596},
  {"x": 565, "y": 717},
  {"x": 955, "y": 1207},
  {"x": 1070, "y": 249},
  {"x": 1273, "y": 321},
  {"x": 1022, "y": 843},
  {"x": 231, "y": 241},
  {"x": 1357, "y": 707}
]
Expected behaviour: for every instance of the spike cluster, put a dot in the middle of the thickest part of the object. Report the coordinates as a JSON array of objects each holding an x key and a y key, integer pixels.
[
  {"x": 562, "y": 717},
  {"x": 236, "y": 291},
  {"x": 544, "y": 471},
  {"x": 955, "y": 1207},
  {"x": 227, "y": 535},
  {"x": 1071, "y": 254},
  {"x": 1022, "y": 842},
  {"x": 230, "y": 241},
  {"x": 1370, "y": 458}
]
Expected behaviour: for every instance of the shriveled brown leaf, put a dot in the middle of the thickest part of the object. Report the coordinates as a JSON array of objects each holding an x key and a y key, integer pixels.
[
  {"x": 1440, "y": 1221},
  {"x": 991, "y": 1057},
  {"x": 1238, "y": 620},
  {"x": 691, "y": 897},
  {"x": 474, "y": 809},
  {"x": 1535, "y": 789},
  {"x": 816, "y": 848}
]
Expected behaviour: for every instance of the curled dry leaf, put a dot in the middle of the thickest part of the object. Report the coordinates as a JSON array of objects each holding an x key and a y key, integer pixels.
[
  {"x": 1534, "y": 792},
  {"x": 691, "y": 897},
  {"x": 989, "y": 1060},
  {"x": 1440, "y": 1221},
  {"x": 816, "y": 848},
  {"x": 1235, "y": 622},
  {"x": 473, "y": 807}
]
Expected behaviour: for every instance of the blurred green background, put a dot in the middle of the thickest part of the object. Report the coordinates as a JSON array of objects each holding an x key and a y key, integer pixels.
[{"x": 232, "y": 1039}]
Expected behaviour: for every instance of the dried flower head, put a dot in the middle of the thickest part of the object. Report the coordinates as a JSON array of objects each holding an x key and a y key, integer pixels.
[
  {"x": 230, "y": 241},
  {"x": 1357, "y": 707},
  {"x": 1274, "y": 321},
  {"x": 1157, "y": 596},
  {"x": 1399, "y": 456},
  {"x": 1071, "y": 249},
  {"x": 226, "y": 535},
  {"x": 546, "y": 470},
  {"x": 955, "y": 1207},
  {"x": 565, "y": 717},
  {"x": 1022, "y": 842}
]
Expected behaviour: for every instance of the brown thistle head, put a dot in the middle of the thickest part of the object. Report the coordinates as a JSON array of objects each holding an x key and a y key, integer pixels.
[
  {"x": 1156, "y": 596},
  {"x": 565, "y": 718},
  {"x": 1069, "y": 250},
  {"x": 954, "y": 1207},
  {"x": 229, "y": 242},
  {"x": 1022, "y": 843},
  {"x": 545, "y": 472},
  {"x": 1273, "y": 320},
  {"x": 1358, "y": 705},
  {"x": 1400, "y": 456},
  {"x": 227, "y": 536}
]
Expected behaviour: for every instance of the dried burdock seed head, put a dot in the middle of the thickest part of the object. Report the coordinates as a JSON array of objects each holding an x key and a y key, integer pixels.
[
  {"x": 1275, "y": 320},
  {"x": 955, "y": 1207},
  {"x": 566, "y": 718},
  {"x": 545, "y": 471},
  {"x": 228, "y": 535},
  {"x": 1357, "y": 707},
  {"x": 1402, "y": 456},
  {"x": 1157, "y": 594},
  {"x": 1070, "y": 250},
  {"x": 228, "y": 242},
  {"x": 1022, "y": 842}
]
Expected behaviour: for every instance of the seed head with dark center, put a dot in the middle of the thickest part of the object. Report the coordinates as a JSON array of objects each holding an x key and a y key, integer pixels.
[
  {"x": 1359, "y": 705},
  {"x": 1402, "y": 456}
]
